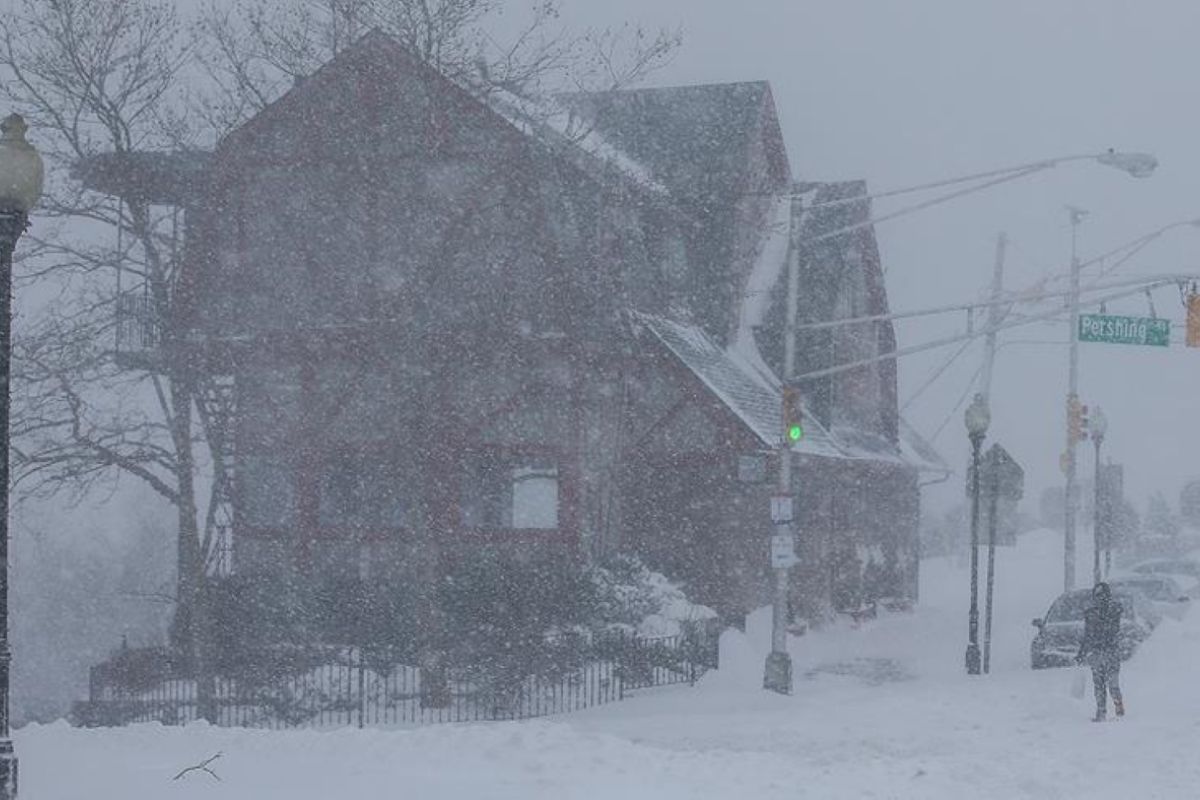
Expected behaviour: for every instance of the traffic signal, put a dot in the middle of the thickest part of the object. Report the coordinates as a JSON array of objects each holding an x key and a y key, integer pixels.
[
  {"x": 793, "y": 423},
  {"x": 1077, "y": 421},
  {"x": 1193, "y": 319}
]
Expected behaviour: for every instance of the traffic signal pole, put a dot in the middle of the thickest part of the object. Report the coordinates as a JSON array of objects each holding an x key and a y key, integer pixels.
[
  {"x": 1077, "y": 216},
  {"x": 777, "y": 672}
]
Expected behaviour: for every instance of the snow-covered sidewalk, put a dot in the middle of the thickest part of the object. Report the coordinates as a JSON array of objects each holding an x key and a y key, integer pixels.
[{"x": 882, "y": 711}]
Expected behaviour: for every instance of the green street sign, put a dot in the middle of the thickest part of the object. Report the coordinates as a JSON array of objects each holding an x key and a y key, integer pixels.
[{"x": 1110, "y": 329}]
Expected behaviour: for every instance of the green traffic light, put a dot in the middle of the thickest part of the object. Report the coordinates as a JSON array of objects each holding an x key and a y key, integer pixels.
[{"x": 795, "y": 433}]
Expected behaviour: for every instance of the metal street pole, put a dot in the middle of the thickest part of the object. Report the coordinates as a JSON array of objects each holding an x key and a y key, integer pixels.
[
  {"x": 21, "y": 174},
  {"x": 777, "y": 672},
  {"x": 977, "y": 418},
  {"x": 1077, "y": 216},
  {"x": 12, "y": 225},
  {"x": 993, "y": 501},
  {"x": 1099, "y": 428},
  {"x": 973, "y": 613}
]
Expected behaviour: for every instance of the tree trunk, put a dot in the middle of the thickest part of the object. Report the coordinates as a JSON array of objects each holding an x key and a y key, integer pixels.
[{"x": 191, "y": 613}]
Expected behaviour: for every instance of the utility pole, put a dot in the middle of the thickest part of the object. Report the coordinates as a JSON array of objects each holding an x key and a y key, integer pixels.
[
  {"x": 1076, "y": 215},
  {"x": 777, "y": 672},
  {"x": 995, "y": 317}
]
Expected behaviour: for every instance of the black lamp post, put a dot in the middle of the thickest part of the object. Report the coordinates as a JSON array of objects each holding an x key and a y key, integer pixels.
[
  {"x": 1098, "y": 424},
  {"x": 20, "y": 188},
  {"x": 977, "y": 419}
]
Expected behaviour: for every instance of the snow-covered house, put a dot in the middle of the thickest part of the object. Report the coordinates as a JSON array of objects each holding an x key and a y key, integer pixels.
[{"x": 443, "y": 322}]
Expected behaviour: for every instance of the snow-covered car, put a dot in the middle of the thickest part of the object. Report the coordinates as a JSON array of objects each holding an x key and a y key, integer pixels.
[
  {"x": 1061, "y": 630},
  {"x": 1185, "y": 570},
  {"x": 1161, "y": 592}
]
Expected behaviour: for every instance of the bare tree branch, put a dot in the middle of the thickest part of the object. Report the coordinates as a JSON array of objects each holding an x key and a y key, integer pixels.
[{"x": 203, "y": 766}]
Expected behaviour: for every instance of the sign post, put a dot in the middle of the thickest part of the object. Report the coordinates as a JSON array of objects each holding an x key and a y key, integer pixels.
[{"x": 1005, "y": 482}]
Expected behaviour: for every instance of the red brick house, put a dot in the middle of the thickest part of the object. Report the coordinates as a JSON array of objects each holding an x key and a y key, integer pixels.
[{"x": 446, "y": 322}]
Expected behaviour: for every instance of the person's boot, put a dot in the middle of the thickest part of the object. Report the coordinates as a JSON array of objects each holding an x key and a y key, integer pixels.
[
  {"x": 1119, "y": 705},
  {"x": 1101, "y": 715}
]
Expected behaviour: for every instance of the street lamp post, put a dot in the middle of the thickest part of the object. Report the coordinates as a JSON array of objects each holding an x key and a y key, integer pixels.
[
  {"x": 977, "y": 419},
  {"x": 1099, "y": 426},
  {"x": 20, "y": 187}
]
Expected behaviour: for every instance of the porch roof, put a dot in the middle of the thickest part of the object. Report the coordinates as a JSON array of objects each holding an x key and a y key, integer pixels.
[{"x": 748, "y": 389}]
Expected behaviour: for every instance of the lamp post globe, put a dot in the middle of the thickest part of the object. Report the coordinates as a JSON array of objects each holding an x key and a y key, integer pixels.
[
  {"x": 21, "y": 170},
  {"x": 977, "y": 418},
  {"x": 21, "y": 180}
]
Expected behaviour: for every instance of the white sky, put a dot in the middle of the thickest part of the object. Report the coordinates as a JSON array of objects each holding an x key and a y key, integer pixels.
[{"x": 901, "y": 93}]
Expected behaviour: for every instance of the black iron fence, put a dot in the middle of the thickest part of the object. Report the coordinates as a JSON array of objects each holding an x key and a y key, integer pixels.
[{"x": 338, "y": 686}]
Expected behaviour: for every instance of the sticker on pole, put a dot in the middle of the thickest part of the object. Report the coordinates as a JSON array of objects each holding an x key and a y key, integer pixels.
[
  {"x": 781, "y": 508},
  {"x": 783, "y": 551}
]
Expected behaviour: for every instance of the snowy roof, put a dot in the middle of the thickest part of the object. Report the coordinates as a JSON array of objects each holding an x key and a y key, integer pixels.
[
  {"x": 917, "y": 449},
  {"x": 739, "y": 383},
  {"x": 695, "y": 139},
  {"x": 554, "y": 124}
]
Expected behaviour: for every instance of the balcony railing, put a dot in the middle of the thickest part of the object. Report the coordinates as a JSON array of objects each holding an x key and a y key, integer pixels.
[{"x": 139, "y": 334}]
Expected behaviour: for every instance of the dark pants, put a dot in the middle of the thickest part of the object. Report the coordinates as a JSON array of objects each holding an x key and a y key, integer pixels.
[{"x": 1106, "y": 677}]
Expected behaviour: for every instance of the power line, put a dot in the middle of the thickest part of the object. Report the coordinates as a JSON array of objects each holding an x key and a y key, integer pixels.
[
  {"x": 906, "y": 351},
  {"x": 937, "y": 374}
]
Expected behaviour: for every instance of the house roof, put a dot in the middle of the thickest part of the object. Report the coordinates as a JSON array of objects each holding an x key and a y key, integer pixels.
[
  {"x": 754, "y": 396},
  {"x": 689, "y": 141},
  {"x": 751, "y": 396},
  {"x": 168, "y": 178},
  {"x": 553, "y": 124},
  {"x": 696, "y": 140}
]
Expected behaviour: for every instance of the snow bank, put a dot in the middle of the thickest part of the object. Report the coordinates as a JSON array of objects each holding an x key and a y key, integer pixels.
[{"x": 880, "y": 710}]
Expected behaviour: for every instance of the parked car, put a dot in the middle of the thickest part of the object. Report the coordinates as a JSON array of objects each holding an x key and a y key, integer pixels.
[
  {"x": 1061, "y": 630},
  {"x": 1184, "y": 570},
  {"x": 1160, "y": 592}
]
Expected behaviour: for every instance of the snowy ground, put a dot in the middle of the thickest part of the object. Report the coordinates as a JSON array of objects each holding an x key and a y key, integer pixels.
[{"x": 882, "y": 711}]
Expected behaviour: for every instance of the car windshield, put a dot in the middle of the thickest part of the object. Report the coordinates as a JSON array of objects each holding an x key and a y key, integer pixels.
[{"x": 1071, "y": 607}]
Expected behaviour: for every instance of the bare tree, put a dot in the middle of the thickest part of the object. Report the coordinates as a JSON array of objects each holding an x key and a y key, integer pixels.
[
  {"x": 93, "y": 77},
  {"x": 258, "y": 49}
]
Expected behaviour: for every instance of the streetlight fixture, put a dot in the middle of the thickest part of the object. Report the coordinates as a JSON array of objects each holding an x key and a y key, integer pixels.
[
  {"x": 977, "y": 419},
  {"x": 1098, "y": 424},
  {"x": 21, "y": 177},
  {"x": 1137, "y": 165}
]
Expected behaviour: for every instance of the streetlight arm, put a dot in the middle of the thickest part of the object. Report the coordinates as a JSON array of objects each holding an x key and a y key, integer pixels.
[
  {"x": 867, "y": 223},
  {"x": 1137, "y": 164}
]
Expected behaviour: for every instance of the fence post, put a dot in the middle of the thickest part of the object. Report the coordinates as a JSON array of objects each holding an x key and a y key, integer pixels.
[{"x": 362, "y": 687}]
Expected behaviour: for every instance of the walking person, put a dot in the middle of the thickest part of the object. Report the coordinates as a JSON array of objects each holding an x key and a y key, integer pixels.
[{"x": 1101, "y": 649}]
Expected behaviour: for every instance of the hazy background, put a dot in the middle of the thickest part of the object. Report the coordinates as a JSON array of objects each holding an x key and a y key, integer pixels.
[{"x": 901, "y": 93}]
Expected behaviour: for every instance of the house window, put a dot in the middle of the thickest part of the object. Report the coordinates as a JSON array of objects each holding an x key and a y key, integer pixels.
[{"x": 520, "y": 493}]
